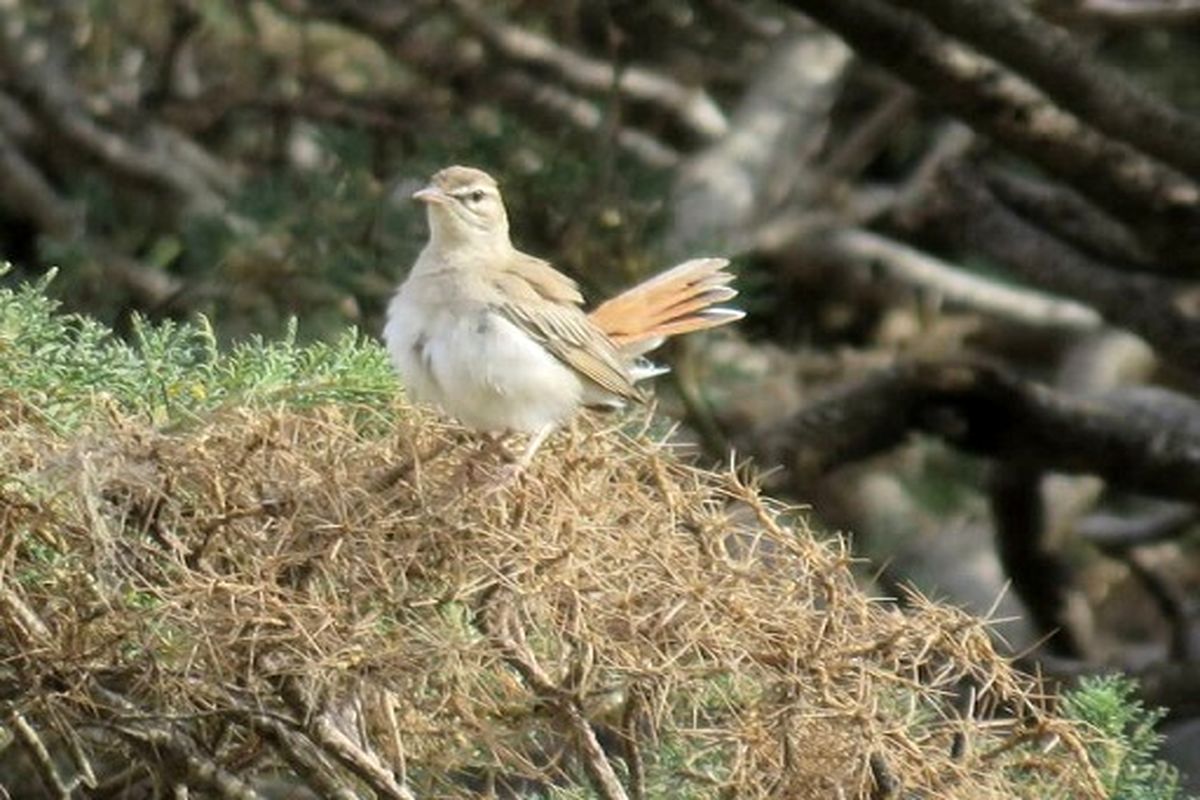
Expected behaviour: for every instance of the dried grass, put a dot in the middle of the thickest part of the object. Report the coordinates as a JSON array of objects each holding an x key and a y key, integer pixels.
[{"x": 330, "y": 594}]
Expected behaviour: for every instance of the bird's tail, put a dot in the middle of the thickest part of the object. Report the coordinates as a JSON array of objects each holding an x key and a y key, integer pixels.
[{"x": 680, "y": 300}]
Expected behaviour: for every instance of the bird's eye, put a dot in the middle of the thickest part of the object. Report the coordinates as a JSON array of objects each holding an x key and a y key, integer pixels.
[{"x": 476, "y": 195}]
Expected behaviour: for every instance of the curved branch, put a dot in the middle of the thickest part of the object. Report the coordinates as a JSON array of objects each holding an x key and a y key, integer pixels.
[
  {"x": 1040, "y": 573},
  {"x": 1054, "y": 60},
  {"x": 990, "y": 411},
  {"x": 904, "y": 264}
]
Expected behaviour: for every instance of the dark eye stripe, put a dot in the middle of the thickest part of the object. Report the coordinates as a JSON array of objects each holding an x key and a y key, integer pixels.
[{"x": 473, "y": 195}]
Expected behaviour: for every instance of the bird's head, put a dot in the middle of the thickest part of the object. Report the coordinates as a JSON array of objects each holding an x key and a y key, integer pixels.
[{"x": 464, "y": 208}]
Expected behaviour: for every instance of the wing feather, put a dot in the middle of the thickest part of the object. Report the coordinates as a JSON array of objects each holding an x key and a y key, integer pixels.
[
  {"x": 570, "y": 337},
  {"x": 545, "y": 304}
]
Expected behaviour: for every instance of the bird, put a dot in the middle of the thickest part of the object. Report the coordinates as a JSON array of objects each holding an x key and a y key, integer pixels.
[{"x": 498, "y": 339}]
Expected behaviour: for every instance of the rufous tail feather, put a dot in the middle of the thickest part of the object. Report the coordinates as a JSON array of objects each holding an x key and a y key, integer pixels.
[{"x": 679, "y": 300}]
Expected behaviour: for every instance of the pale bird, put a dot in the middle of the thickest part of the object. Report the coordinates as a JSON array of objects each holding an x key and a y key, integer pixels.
[{"x": 498, "y": 340}]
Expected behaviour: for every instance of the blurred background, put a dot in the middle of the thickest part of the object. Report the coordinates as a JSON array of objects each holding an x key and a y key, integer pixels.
[{"x": 967, "y": 233}]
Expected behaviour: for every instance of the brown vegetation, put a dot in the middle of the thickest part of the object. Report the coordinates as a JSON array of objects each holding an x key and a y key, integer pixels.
[{"x": 318, "y": 599}]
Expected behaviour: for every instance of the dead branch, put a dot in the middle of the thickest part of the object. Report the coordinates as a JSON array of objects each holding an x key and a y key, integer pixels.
[
  {"x": 548, "y": 104},
  {"x": 1159, "y": 202},
  {"x": 510, "y": 639},
  {"x": 31, "y": 627},
  {"x": 956, "y": 286},
  {"x": 323, "y": 729},
  {"x": 1173, "y": 602},
  {"x": 849, "y": 158},
  {"x": 1056, "y": 61},
  {"x": 185, "y": 760},
  {"x": 990, "y": 411},
  {"x": 153, "y": 289},
  {"x": 749, "y": 20},
  {"x": 690, "y": 105},
  {"x": 39, "y": 754},
  {"x": 303, "y": 757},
  {"x": 631, "y": 719},
  {"x": 185, "y": 21},
  {"x": 884, "y": 784},
  {"x": 1163, "y": 311}
]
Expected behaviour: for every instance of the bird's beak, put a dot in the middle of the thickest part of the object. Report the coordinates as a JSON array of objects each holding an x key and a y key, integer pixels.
[{"x": 430, "y": 194}]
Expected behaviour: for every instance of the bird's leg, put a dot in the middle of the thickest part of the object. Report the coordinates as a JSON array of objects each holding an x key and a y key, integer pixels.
[
  {"x": 538, "y": 439},
  {"x": 510, "y": 471}
]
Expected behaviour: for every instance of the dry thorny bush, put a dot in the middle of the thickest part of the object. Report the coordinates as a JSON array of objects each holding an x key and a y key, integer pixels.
[{"x": 332, "y": 598}]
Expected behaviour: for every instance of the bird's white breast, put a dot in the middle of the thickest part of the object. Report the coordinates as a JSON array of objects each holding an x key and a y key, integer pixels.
[{"x": 476, "y": 365}]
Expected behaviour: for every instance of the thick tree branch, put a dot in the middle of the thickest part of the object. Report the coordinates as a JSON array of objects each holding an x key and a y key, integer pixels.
[
  {"x": 1040, "y": 574},
  {"x": 303, "y": 757},
  {"x": 183, "y": 758},
  {"x": 1067, "y": 215},
  {"x": 1053, "y": 59},
  {"x": 187, "y": 760},
  {"x": 1163, "y": 311},
  {"x": 1159, "y": 202},
  {"x": 548, "y": 103},
  {"x": 990, "y": 411}
]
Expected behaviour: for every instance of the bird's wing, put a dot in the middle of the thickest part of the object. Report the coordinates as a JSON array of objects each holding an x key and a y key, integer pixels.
[
  {"x": 544, "y": 304},
  {"x": 543, "y": 279}
]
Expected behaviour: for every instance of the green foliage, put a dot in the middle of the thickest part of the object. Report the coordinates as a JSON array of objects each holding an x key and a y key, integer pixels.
[
  {"x": 1125, "y": 757},
  {"x": 67, "y": 367}
]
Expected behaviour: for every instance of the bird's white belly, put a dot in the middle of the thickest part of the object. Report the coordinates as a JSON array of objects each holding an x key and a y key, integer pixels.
[{"x": 481, "y": 369}]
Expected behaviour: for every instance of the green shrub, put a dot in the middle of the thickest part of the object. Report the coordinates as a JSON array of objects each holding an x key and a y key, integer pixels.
[
  {"x": 1125, "y": 755},
  {"x": 67, "y": 367}
]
